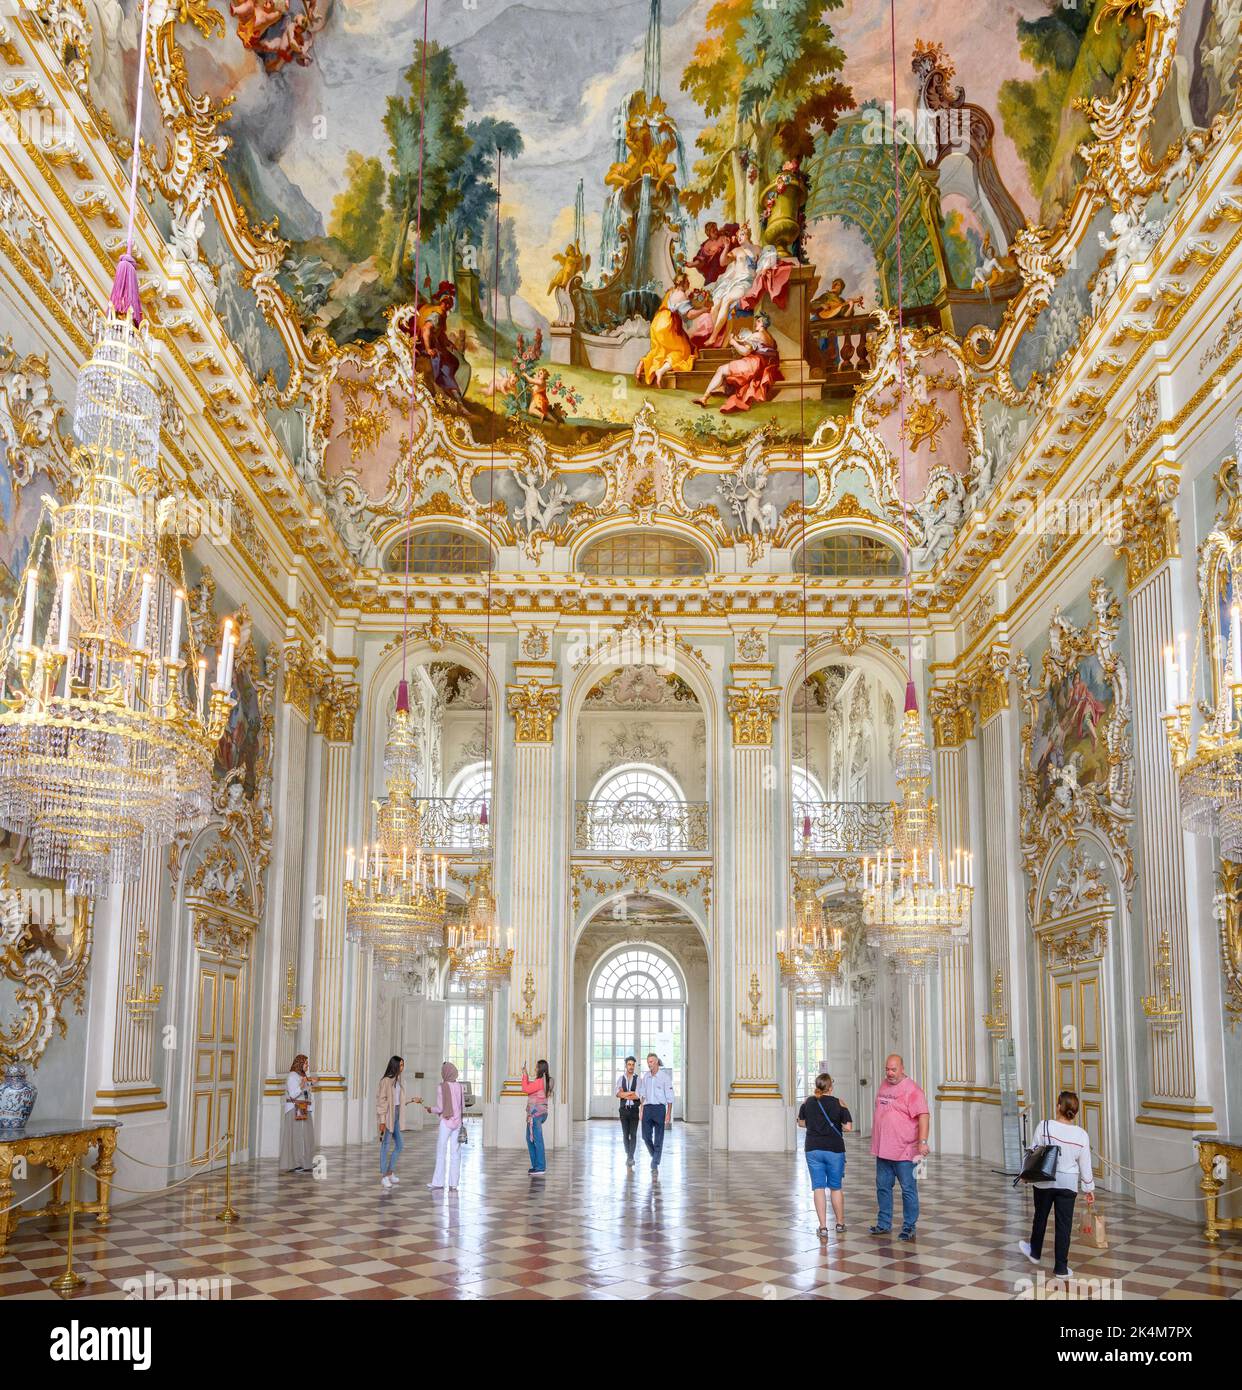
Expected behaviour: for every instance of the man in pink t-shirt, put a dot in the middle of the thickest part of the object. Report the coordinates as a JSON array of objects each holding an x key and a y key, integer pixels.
[{"x": 898, "y": 1141}]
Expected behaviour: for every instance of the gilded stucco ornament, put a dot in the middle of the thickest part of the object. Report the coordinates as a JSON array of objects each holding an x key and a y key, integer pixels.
[
  {"x": 1146, "y": 532},
  {"x": 29, "y": 418},
  {"x": 534, "y": 707},
  {"x": 752, "y": 707},
  {"x": 336, "y": 709},
  {"x": 47, "y": 975},
  {"x": 1227, "y": 907},
  {"x": 1105, "y": 804},
  {"x": 952, "y": 715}
]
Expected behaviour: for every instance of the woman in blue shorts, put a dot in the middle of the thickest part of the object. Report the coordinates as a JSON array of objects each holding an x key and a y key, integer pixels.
[{"x": 825, "y": 1120}]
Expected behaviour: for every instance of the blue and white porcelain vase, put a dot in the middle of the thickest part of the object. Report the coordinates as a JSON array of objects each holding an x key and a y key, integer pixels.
[{"x": 17, "y": 1096}]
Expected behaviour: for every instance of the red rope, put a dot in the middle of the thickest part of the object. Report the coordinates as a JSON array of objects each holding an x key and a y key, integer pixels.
[
  {"x": 418, "y": 246},
  {"x": 901, "y": 359}
]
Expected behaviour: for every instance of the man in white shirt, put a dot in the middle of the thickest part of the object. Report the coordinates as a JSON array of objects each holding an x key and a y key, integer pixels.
[
  {"x": 655, "y": 1094},
  {"x": 627, "y": 1095}
]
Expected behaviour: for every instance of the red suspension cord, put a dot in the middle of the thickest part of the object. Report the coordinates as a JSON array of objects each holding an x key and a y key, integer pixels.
[{"x": 491, "y": 492}]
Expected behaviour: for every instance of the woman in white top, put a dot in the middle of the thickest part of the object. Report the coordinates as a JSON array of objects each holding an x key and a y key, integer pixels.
[
  {"x": 1073, "y": 1165},
  {"x": 450, "y": 1104},
  {"x": 297, "y": 1124}
]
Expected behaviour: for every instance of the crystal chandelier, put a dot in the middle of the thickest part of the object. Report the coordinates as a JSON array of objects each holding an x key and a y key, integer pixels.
[
  {"x": 107, "y": 734},
  {"x": 395, "y": 895},
  {"x": 1209, "y": 768},
  {"x": 916, "y": 905},
  {"x": 810, "y": 954},
  {"x": 474, "y": 951}
]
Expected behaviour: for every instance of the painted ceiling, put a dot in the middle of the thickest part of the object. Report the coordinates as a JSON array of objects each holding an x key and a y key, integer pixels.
[{"x": 674, "y": 212}]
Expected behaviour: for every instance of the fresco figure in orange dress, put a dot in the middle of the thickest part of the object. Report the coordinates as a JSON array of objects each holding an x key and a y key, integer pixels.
[
  {"x": 671, "y": 349},
  {"x": 751, "y": 378}
]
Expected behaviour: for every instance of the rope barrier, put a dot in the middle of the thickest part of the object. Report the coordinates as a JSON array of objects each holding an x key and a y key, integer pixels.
[
  {"x": 201, "y": 1158},
  {"x": 1166, "y": 1197},
  {"x": 15, "y": 1206}
]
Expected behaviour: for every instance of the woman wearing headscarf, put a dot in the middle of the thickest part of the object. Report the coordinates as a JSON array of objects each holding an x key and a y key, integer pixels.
[
  {"x": 449, "y": 1105},
  {"x": 297, "y": 1124}
]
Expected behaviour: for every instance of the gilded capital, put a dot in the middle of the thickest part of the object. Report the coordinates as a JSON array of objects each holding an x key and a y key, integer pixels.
[
  {"x": 304, "y": 674},
  {"x": 534, "y": 707},
  {"x": 992, "y": 680},
  {"x": 953, "y": 720},
  {"x": 337, "y": 709},
  {"x": 1146, "y": 533},
  {"x": 752, "y": 709}
]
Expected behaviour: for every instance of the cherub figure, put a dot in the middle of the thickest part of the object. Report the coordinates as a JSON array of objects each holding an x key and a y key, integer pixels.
[
  {"x": 572, "y": 263},
  {"x": 255, "y": 17},
  {"x": 291, "y": 45},
  {"x": 540, "y": 404}
]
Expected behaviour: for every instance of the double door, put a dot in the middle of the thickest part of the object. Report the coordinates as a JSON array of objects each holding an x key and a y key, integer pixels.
[{"x": 619, "y": 1031}]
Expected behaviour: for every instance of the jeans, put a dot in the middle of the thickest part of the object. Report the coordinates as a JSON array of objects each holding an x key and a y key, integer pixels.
[
  {"x": 827, "y": 1169},
  {"x": 1059, "y": 1200},
  {"x": 534, "y": 1142},
  {"x": 390, "y": 1150},
  {"x": 653, "y": 1131},
  {"x": 888, "y": 1171},
  {"x": 629, "y": 1129}
]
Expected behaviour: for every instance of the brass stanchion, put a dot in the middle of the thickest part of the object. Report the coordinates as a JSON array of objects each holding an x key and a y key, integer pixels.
[
  {"x": 70, "y": 1279},
  {"x": 227, "y": 1213}
]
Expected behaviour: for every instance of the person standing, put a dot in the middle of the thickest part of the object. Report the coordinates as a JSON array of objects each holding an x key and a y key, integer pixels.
[
  {"x": 824, "y": 1118},
  {"x": 450, "y": 1106},
  {"x": 538, "y": 1094},
  {"x": 898, "y": 1140},
  {"x": 297, "y": 1124},
  {"x": 1059, "y": 1195},
  {"x": 389, "y": 1102},
  {"x": 655, "y": 1094},
  {"x": 627, "y": 1095}
]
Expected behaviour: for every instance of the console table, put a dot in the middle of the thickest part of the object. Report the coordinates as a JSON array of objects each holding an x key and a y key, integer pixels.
[
  {"x": 54, "y": 1144},
  {"x": 1212, "y": 1147}
]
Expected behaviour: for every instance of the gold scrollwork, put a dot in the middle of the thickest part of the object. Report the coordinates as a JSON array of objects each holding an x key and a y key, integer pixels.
[
  {"x": 1229, "y": 914},
  {"x": 534, "y": 707},
  {"x": 753, "y": 708}
]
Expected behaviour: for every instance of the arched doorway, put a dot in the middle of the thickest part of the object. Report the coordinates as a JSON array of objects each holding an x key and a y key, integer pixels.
[{"x": 637, "y": 1005}]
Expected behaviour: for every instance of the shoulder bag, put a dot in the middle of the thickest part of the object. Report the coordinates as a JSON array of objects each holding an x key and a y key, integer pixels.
[{"x": 1040, "y": 1164}]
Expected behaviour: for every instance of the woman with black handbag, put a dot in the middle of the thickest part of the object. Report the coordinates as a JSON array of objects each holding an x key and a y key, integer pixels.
[
  {"x": 1054, "y": 1168},
  {"x": 824, "y": 1118}
]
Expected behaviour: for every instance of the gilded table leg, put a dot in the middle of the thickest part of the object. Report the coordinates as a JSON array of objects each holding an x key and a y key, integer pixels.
[
  {"x": 7, "y": 1218},
  {"x": 104, "y": 1170},
  {"x": 55, "y": 1205},
  {"x": 1210, "y": 1187}
]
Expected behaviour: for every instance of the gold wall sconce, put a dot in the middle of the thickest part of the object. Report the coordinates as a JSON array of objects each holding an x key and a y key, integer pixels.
[
  {"x": 755, "y": 1022},
  {"x": 1164, "y": 1008},
  {"x": 291, "y": 1015},
  {"x": 997, "y": 1022},
  {"x": 528, "y": 1022},
  {"x": 139, "y": 1000}
]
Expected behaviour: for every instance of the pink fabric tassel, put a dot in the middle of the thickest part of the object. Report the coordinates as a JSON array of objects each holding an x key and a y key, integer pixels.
[
  {"x": 912, "y": 699},
  {"x": 125, "y": 297},
  {"x": 403, "y": 697}
]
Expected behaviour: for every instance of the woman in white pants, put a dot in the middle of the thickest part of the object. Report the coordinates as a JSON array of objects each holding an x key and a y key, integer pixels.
[{"x": 449, "y": 1106}]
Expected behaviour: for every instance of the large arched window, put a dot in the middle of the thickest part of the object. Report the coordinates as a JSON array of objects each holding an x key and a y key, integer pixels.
[
  {"x": 638, "y": 1005},
  {"x": 467, "y": 793},
  {"x": 634, "y": 808},
  {"x": 642, "y": 555},
  {"x": 849, "y": 555},
  {"x": 807, "y": 791},
  {"x": 438, "y": 550}
]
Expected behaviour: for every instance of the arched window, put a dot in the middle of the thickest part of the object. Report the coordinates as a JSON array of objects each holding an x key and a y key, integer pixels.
[
  {"x": 438, "y": 550},
  {"x": 638, "y": 1005},
  {"x": 467, "y": 793},
  {"x": 849, "y": 555},
  {"x": 807, "y": 792},
  {"x": 642, "y": 555},
  {"x": 636, "y": 808}
]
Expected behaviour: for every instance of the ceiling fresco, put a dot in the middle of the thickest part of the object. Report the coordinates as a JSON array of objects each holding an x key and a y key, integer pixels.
[{"x": 677, "y": 221}]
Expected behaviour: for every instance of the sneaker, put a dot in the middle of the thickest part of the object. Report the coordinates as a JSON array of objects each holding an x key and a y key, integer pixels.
[
  {"x": 1066, "y": 1273},
  {"x": 435, "y": 1186},
  {"x": 905, "y": 1235},
  {"x": 879, "y": 1230},
  {"x": 384, "y": 1182},
  {"x": 393, "y": 1178},
  {"x": 1025, "y": 1247},
  {"x": 539, "y": 1172}
]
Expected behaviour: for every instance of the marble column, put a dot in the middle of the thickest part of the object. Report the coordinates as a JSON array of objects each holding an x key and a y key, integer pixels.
[
  {"x": 536, "y": 900},
  {"x": 335, "y": 715},
  {"x": 1182, "y": 1084},
  {"x": 958, "y": 1092},
  {"x": 756, "y": 1113},
  {"x": 301, "y": 678}
]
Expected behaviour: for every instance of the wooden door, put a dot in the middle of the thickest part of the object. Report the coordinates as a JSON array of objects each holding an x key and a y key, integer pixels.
[
  {"x": 216, "y": 1101},
  {"x": 1077, "y": 1049}
]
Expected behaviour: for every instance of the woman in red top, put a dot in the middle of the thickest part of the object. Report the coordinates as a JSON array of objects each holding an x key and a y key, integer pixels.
[{"x": 538, "y": 1093}]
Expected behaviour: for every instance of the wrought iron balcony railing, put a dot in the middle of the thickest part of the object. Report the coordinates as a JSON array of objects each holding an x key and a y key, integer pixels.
[
  {"x": 844, "y": 827},
  {"x": 637, "y": 825},
  {"x": 452, "y": 823}
]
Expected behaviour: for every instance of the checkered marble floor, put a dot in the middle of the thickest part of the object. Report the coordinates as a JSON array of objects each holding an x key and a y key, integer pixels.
[{"x": 713, "y": 1225}]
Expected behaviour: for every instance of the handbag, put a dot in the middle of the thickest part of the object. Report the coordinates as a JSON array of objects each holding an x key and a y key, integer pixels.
[
  {"x": 1040, "y": 1164},
  {"x": 461, "y": 1128}
]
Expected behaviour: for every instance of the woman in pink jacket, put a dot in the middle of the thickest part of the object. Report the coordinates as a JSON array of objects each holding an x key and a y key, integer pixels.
[
  {"x": 538, "y": 1093},
  {"x": 450, "y": 1103}
]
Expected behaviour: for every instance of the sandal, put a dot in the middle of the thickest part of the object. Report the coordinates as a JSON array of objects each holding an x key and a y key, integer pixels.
[
  {"x": 840, "y": 1225},
  {"x": 823, "y": 1233}
]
